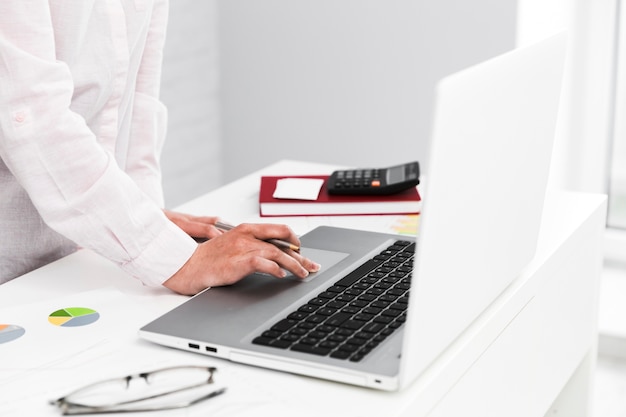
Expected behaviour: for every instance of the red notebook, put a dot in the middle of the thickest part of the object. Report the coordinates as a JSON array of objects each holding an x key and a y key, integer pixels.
[{"x": 406, "y": 202}]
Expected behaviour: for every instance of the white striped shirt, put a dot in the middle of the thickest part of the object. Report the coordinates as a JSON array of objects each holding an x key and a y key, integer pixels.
[{"x": 81, "y": 131}]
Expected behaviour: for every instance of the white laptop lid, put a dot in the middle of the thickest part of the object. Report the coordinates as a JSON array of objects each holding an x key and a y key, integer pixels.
[{"x": 491, "y": 148}]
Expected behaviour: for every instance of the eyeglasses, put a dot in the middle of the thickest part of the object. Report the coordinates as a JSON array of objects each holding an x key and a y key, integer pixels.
[{"x": 161, "y": 389}]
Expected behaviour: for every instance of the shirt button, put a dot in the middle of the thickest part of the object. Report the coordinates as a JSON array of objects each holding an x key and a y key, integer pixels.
[{"x": 20, "y": 116}]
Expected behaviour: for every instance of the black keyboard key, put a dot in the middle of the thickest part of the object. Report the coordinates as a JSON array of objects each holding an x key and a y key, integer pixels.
[
  {"x": 336, "y": 304},
  {"x": 329, "y": 344},
  {"x": 383, "y": 319},
  {"x": 297, "y": 315},
  {"x": 352, "y": 324},
  {"x": 363, "y": 317},
  {"x": 317, "y": 301},
  {"x": 366, "y": 336},
  {"x": 311, "y": 349},
  {"x": 298, "y": 331},
  {"x": 281, "y": 344},
  {"x": 310, "y": 341},
  {"x": 337, "y": 338},
  {"x": 307, "y": 326},
  {"x": 372, "y": 310},
  {"x": 362, "y": 284},
  {"x": 387, "y": 331},
  {"x": 315, "y": 319},
  {"x": 340, "y": 354},
  {"x": 316, "y": 334},
  {"x": 327, "y": 295},
  {"x": 376, "y": 275},
  {"x": 373, "y": 327},
  {"x": 356, "y": 341},
  {"x": 265, "y": 341},
  {"x": 308, "y": 308},
  {"x": 369, "y": 280},
  {"x": 354, "y": 291},
  {"x": 363, "y": 300},
  {"x": 325, "y": 329},
  {"x": 354, "y": 276},
  {"x": 396, "y": 292},
  {"x": 325, "y": 311},
  {"x": 380, "y": 304},
  {"x": 348, "y": 347},
  {"x": 378, "y": 338},
  {"x": 337, "y": 319},
  {"x": 399, "y": 306},
  {"x": 388, "y": 297},
  {"x": 351, "y": 309},
  {"x": 284, "y": 325},
  {"x": 391, "y": 313},
  {"x": 410, "y": 247}
]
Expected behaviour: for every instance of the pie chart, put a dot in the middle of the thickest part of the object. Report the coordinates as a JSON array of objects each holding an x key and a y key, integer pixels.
[
  {"x": 73, "y": 317},
  {"x": 10, "y": 332}
]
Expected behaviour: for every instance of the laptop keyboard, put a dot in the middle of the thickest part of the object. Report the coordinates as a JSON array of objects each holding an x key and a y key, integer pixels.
[{"x": 354, "y": 315}]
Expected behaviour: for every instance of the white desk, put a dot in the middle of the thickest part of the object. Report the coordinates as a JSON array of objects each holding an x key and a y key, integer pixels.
[{"x": 529, "y": 354}]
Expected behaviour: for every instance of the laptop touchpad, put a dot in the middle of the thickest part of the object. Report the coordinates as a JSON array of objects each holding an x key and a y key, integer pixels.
[{"x": 327, "y": 259}]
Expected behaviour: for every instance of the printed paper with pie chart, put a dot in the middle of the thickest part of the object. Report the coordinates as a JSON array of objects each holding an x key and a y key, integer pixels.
[
  {"x": 10, "y": 332},
  {"x": 56, "y": 331},
  {"x": 73, "y": 317}
]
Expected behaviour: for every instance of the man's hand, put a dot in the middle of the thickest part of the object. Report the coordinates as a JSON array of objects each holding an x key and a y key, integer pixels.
[{"x": 230, "y": 256}]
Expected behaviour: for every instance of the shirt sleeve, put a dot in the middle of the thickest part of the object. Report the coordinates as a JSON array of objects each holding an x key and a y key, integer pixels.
[
  {"x": 74, "y": 183},
  {"x": 149, "y": 121}
]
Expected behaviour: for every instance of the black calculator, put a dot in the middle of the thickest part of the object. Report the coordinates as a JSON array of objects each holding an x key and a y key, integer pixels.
[{"x": 374, "y": 181}]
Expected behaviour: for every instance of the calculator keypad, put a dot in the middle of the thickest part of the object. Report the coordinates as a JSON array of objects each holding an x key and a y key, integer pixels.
[
  {"x": 374, "y": 181},
  {"x": 361, "y": 178}
]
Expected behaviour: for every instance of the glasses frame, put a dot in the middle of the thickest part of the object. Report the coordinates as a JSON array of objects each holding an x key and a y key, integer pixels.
[{"x": 69, "y": 407}]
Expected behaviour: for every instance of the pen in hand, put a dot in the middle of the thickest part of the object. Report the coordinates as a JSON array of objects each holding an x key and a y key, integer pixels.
[{"x": 277, "y": 242}]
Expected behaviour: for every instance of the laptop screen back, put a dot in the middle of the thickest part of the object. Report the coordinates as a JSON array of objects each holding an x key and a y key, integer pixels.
[{"x": 484, "y": 192}]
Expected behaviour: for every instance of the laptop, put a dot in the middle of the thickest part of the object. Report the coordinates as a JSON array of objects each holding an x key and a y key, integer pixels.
[{"x": 354, "y": 322}]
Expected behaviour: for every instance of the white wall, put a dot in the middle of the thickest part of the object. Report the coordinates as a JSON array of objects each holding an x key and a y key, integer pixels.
[
  {"x": 344, "y": 81},
  {"x": 585, "y": 125},
  {"x": 192, "y": 154},
  {"x": 538, "y": 19},
  {"x": 350, "y": 81}
]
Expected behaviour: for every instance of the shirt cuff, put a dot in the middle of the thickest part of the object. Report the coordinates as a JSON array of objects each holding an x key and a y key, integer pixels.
[{"x": 167, "y": 253}]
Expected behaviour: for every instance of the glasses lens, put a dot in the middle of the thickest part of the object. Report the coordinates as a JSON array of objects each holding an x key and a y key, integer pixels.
[
  {"x": 160, "y": 387},
  {"x": 101, "y": 394},
  {"x": 173, "y": 378}
]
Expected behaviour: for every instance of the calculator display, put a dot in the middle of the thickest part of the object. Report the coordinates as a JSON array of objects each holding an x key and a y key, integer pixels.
[{"x": 396, "y": 174}]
